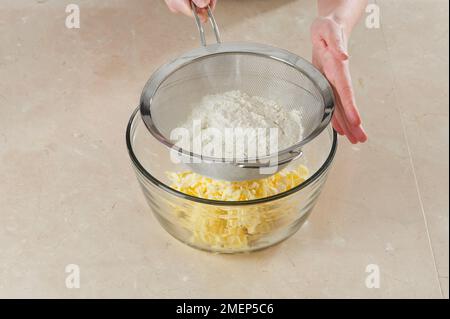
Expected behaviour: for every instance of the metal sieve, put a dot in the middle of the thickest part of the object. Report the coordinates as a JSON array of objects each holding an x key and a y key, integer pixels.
[{"x": 177, "y": 87}]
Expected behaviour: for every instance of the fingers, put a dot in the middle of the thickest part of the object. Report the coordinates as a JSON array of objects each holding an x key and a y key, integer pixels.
[
  {"x": 361, "y": 134},
  {"x": 344, "y": 124},
  {"x": 202, "y": 14},
  {"x": 180, "y": 6},
  {"x": 202, "y": 8},
  {"x": 343, "y": 84},
  {"x": 341, "y": 124},
  {"x": 330, "y": 56},
  {"x": 184, "y": 6}
]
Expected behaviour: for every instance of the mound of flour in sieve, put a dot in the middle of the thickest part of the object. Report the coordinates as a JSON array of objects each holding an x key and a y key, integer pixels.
[{"x": 235, "y": 109}]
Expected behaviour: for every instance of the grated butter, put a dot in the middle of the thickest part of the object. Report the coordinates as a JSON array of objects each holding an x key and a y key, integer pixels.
[{"x": 232, "y": 227}]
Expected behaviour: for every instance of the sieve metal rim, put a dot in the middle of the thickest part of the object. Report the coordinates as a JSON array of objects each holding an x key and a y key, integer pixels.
[{"x": 283, "y": 56}]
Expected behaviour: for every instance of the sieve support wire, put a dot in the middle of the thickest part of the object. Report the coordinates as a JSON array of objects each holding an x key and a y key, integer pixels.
[{"x": 211, "y": 19}]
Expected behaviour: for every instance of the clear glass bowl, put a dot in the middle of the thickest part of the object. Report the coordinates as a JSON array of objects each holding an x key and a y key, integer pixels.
[{"x": 256, "y": 224}]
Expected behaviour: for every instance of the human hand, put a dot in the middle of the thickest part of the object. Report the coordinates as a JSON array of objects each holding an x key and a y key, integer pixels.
[
  {"x": 331, "y": 58},
  {"x": 184, "y": 6}
]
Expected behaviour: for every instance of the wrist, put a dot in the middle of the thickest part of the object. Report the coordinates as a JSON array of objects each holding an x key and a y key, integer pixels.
[{"x": 342, "y": 24}]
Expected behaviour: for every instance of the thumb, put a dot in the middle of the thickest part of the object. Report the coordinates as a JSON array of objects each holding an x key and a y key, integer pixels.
[
  {"x": 335, "y": 40},
  {"x": 182, "y": 6}
]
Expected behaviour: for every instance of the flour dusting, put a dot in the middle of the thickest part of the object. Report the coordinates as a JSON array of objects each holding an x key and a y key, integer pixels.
[{"x": 236, "y": 109}]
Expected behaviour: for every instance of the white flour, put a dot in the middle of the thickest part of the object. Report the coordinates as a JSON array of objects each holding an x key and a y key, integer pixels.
[{"x": 235, "y": 109}]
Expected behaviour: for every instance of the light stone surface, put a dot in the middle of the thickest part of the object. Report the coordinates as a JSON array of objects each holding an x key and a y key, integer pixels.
[{"x": 68, "y": 194}]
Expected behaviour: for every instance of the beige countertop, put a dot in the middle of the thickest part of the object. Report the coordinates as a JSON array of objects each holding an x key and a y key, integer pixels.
[{"x": 68, "y": 194}]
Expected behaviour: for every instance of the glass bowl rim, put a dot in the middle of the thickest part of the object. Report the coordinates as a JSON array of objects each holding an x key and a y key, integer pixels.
[{"x": 213, "y": 202}]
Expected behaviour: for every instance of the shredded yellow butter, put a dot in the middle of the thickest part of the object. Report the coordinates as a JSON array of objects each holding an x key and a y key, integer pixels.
[{"x": 233, "y": 227}]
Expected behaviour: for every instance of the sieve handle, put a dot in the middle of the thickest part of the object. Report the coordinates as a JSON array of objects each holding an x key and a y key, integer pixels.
[
  {"x": 292, "y": 156},
  {"x": 201, "y": 30}
]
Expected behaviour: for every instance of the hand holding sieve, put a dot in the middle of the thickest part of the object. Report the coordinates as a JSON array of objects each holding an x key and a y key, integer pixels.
[{"x": 175, "y": 88}]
